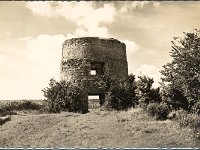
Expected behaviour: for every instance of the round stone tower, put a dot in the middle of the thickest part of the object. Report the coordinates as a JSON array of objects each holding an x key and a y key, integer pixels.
[{"x": 84, "y": 59}]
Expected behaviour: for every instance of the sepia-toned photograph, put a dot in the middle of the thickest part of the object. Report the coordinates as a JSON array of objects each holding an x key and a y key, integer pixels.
[{"x": 100, "y": 74}]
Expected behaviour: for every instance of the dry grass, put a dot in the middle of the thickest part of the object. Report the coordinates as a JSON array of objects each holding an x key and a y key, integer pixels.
[{"x": 98, "y": 128}]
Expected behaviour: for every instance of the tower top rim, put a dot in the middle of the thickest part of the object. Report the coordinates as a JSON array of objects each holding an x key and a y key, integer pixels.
[{"x": 90, "y": 38}]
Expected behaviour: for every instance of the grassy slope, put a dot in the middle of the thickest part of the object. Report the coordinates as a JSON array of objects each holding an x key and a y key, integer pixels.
[{"x": 95, "y": 129}]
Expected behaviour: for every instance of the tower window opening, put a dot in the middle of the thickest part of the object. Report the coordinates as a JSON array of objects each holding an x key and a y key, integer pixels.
[
  {"x": 97, "y": 68},
  {"x": 93, "y": 101},
  {"x": 93, "y": 72},
  {"x": 93, "y": 96}
]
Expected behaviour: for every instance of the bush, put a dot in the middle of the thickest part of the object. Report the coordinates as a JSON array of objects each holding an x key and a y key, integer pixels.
[
  {"x": 196, "y": 108},
  {"x": 6, "y": 106},
  {"x": 159, "y": 111},
  {"x": 120, "y": 95},
  {"x": 143, "y": 106},
  {"x": 145, "y": 93},
  {"x": 28, "y": 105},
  {"x": 63, "y": 96},
  {"x": 174, "y": 97},
  {"x": 131, "y": 88},
  {"x": 191, "y": 121},
  {"x": 118, "y": 98},
  {"x": 187, "y": 120}
]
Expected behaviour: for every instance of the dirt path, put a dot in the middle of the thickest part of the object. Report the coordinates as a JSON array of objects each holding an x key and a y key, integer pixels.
[{"x": 95, "y": 129}]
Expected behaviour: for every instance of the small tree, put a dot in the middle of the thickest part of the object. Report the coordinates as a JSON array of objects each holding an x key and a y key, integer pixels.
[
  {"x": 145, "y": 93},
  {"x": 183, "y": 72}
]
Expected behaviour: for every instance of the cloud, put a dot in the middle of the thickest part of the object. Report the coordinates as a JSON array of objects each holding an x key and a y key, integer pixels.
[
  {"x": 131, "y": 46},
  {"x": 40, "y": 63},
  {"x": 45, "y": 47},
  {"x": 45, "y": 52},
  {"x": 137, "y": 5},
  {"x": 4, "y": 60},
  {"x": 84, "y": 14},
  {"x": 94, "y": 31},
  {"x": 42, "y": 8},
  {"x": 156, "y": 4},
  {"x": 150, "y": 71}
]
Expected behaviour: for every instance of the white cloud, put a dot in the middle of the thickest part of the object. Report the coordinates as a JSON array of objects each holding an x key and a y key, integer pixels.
[
  {"x": 45, "y": 53},
  {"x": 25, "y": 78},
  {"x": 25, "y": 38},
  {"x": 156, "y": 4},
  {"x": 84, "y": 14},
  {"x": 137, "y": 5},
  {"x": 45, "y": 47},
  {"x": 131, "y": 46},
  {"x": 94, "y": 31},
  {"x": 150, "y": 71},
  {"x": 41, "y": 8},
  {"x": 4, "y": 60}
]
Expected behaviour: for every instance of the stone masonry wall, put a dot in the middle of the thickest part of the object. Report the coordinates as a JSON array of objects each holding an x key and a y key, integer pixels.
[{"x": 78, "y": 54}]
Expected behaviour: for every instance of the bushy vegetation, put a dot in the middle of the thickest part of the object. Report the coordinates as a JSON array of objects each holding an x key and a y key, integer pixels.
[
  {"x": 159, "y": 111},
  {"x": 181, "y": 77},
  {"x": 63, "y": 96},
  {"x": 120, "y": 95},
  {"x": 8, "y": 107},
  {"x": 145, "y": 93},
  {"x": 174, "y": 97},
  {"x": 118, "y": 98},
  {"x": 187, "y": 120},
  {"x": 191, "y": 121},
  {"x": 181, "y": 82}
]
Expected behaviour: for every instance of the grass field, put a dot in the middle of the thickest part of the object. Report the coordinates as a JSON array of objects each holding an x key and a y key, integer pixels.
[{"x": 132, "y": 128}]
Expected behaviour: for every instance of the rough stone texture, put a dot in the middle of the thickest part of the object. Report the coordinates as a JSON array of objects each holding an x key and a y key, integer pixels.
[{"x": 81, "y": 55}]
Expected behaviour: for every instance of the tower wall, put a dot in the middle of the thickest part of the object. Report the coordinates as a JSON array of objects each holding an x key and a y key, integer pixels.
[{"x": 81, "y": 55}]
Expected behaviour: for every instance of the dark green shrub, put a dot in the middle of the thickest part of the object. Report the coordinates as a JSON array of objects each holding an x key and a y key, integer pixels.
[
  {"x": 118, "y": 98},
  {"x": 174, "y": 97},
  {"x": 184, "y": 119},
  {"x": 120, "y": 95},
  {"x": 131, "y": 89},
  {"x": 191, "y": 121},
  {"x": 196, "y": 108},
  {"x": 143, "y": 106},
  {"x": 63, "y": 96},
  {"x": 159, "y": 111},
  {"x": 20, "y": 105},
  {"x": 145, "y": 93},
  {"x": 3, "y": 112},
  {"x": 28, "y": 105}
]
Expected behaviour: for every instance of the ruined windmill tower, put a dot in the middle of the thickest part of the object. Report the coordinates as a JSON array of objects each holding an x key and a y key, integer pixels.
[{"x": 83, "y": 59}]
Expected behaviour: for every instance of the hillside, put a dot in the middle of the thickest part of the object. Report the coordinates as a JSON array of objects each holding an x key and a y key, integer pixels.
[{"x": 95, "y": 129}]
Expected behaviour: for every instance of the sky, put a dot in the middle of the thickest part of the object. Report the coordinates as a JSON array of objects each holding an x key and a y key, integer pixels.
[{"x": 32, "y": 34}]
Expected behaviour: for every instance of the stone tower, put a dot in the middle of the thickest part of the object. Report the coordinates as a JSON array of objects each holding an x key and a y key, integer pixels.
[{"x": 83, "y": 59}]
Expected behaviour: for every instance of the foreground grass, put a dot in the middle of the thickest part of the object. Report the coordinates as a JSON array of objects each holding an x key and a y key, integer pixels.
[{"x": 95, "y": 129}]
